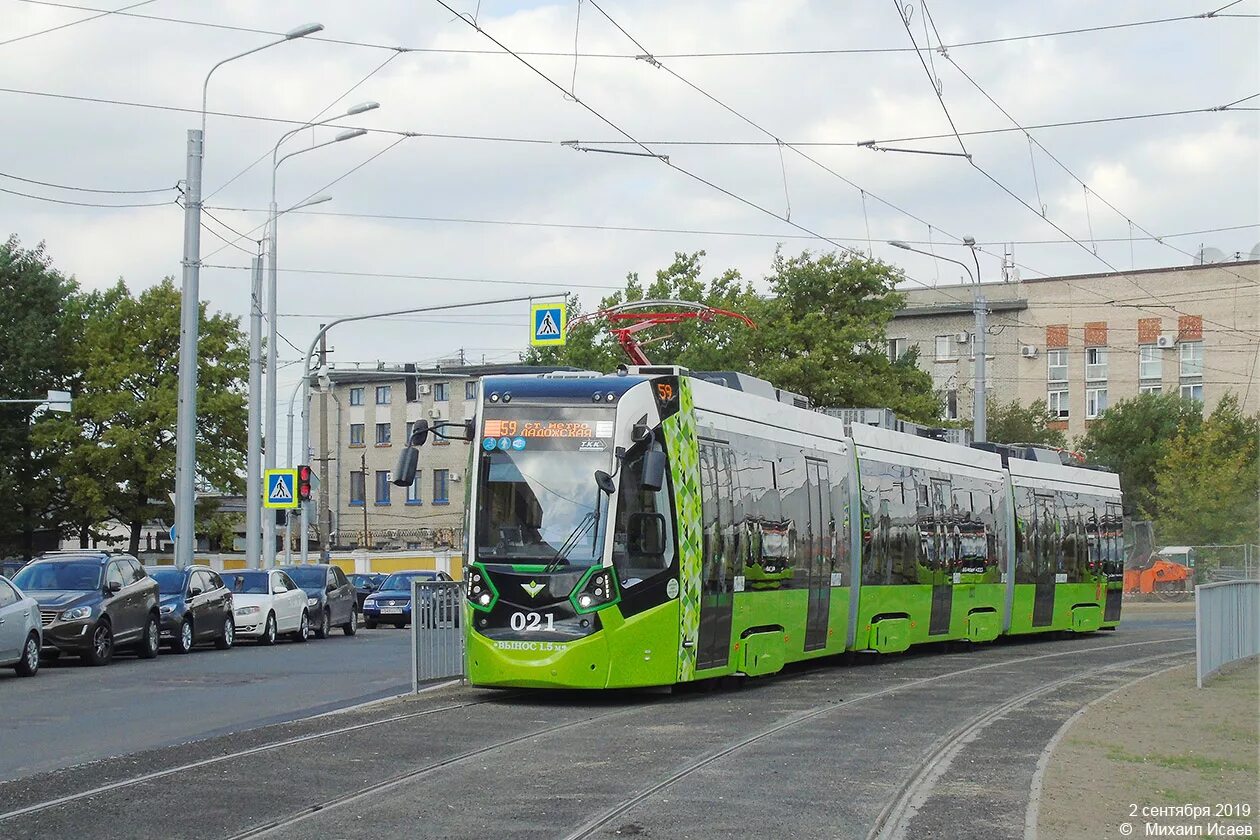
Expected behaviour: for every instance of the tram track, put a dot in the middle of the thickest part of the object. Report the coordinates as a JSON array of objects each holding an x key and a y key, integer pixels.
[{"x": 588, "y": 828}]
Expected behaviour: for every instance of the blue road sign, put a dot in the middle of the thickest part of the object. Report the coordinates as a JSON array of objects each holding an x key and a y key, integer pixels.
[
  {"x": 280, "y": 489},
  {"x": 547, "y": 324}
]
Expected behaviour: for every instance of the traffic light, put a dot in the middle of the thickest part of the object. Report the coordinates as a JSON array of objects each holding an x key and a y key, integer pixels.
[{"x": 304, "y": 477}]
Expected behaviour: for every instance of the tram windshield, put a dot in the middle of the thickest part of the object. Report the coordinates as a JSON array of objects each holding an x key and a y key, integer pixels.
[{"x": 537, "y": 500}]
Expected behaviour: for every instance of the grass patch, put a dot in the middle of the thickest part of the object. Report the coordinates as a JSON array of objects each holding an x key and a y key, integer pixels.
[{"x": 1178, "y": 762}]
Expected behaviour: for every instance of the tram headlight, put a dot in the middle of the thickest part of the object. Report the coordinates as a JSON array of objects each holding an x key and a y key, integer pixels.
[
  {"x": 481, "y": 592},
  {"x": 595, "y": 591}
]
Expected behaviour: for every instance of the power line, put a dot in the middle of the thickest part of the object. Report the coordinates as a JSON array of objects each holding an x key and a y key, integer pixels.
[
  {"x": 85, "y": 203},
  {"x": 84, "y": 189},
  {"x": 439, "y": 278},
  {"x": 103, "y": 13}
]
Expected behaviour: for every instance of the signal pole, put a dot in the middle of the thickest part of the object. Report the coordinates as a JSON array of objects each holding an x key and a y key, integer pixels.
[
  {"x": 322, "y": 521},
  {"x": 367, "y": 538}
]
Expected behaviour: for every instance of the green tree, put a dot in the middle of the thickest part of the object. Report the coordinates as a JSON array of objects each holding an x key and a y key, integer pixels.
[
  {"x": 1015, "y": 423},
  {"x": 119, "y": 444},
  {"x": 1132, "y": 436},
  {"x": 36, "y": 336},
  {"x": 1207, "y": 482}
]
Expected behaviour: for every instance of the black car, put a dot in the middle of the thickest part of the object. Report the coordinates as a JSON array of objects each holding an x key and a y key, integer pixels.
[
  {"x": 195, "y": 607},
  {"x": 93, "y": 602},
  {"x": 330, "y": 599},
  {"x": 365, "y": 584}
]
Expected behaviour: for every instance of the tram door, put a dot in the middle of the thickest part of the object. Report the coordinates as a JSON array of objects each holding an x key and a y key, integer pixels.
[
  {"x": 946, "y": 559},
  {"x": 1046, "y": 548},
  {"x": 718, "y": 572},
  {"x": 819, "y": 548}
]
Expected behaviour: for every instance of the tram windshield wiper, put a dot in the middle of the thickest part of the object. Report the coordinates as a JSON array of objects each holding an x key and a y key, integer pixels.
[{"x": 605, "y": 484}]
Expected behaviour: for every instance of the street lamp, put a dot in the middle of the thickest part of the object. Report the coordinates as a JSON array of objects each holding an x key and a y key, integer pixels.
[
  {"x": 254, "y": 500},
  {"x": 979, "y": 410},
  {"x": 190, "y": 314}
]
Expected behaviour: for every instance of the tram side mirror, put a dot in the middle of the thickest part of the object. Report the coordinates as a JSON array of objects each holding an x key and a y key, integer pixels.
[
  {"x": 419, "y": 433},
  {"x": 640, "y": 432},
  {"x": 653, "y": 469},
  {"x": 605, "y": 482},
  {"x": 408, "y": 460},
  {"x": 646, "y": 534}
]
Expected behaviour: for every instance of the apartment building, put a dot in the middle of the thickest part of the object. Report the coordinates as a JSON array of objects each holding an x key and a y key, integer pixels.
[
  {"x": 360, "y": 423},
  {"x": 1084, "y": 342}
]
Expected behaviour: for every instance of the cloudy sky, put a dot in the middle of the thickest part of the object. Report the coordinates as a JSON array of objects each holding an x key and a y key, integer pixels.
[{"x": 438, "y": 219}]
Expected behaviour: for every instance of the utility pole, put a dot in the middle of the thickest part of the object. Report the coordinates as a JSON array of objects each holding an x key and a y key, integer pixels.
[
  {"x": 367, "y": 538},
  {"x": 323, "y": 522},
  {"x": 189, "y": 324},
  {"x": 980, "y": 410},
  {"x": 253, "y": 478}
]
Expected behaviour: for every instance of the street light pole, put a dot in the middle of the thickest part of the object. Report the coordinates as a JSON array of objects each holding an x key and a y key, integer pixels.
[
  {"x": 253, "y": 477},
  {"x": 270, "y": 439},
  {"x": 979, "y": 407},
  {"x": 305, "y": 386},
  {"x": 190, "y": 318}
]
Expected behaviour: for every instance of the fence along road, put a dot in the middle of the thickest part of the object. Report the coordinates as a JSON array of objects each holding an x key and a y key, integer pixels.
[
  {"x": 1226, "y": 624},
  {"x": 437, "y": 639}
]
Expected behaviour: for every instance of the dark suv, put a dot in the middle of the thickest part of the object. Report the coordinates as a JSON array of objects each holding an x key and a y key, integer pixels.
[
  {"x": 92, "y": 603},
  {"x": 330, "y": 597},
  {"x": 196, "y": 607}
]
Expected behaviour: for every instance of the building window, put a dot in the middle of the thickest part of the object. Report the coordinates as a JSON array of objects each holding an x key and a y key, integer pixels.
[
  {"x": 383, "y": 394},
  {"x": 441, "y": 479},
  {"x": 1192, "y": 391},
  {"x": 1191, "y": 359},
  {"x": 1095, "y": 402},
  {"x": 896, "y": 348},
  {"x": 470, "y": 389},
  {"x": 356, "y": 488},
  {"x": 1152, "y": 388},
  {"x": 383, "y": 432},
  {"x": 944, "y": 347},
  {"x": 951, "y": 404},
  {"x": 1095, "y": 364},
  {"x": 1056, "y": 366},
  {"x": 382, "y": 487},
  {"x": 1057, "y": 404},
  {"x": 356, "y": 434},
  {"x": 413, "y": 490},
  {"x": 441, "y": 391},
  {"x": 1150, "y": 362},
  {"x": 356, "y": 396}
]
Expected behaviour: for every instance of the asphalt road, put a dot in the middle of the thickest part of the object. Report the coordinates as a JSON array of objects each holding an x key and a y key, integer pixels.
[
  {"x": 71, "y": 713},
  {"x": 937, "y": 743}
]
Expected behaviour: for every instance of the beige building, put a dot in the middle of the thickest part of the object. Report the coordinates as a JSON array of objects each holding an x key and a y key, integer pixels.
[
  {"x": 366, "y": 416},
  {"x": 1084, "y": 342}
]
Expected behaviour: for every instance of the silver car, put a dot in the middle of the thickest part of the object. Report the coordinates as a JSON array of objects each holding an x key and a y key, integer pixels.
[{"x": 20, "y": 632}]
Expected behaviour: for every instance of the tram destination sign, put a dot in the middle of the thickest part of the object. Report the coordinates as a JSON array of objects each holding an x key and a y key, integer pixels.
[{"x": 587, "y": 430}]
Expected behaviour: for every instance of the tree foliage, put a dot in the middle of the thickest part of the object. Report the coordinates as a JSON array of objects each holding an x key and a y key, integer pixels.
[
  {"x": 1207, "y": 487},
  {"x": 819, "y": 331},
  {"x": 1132, "y": 436},
  {"x": 1015, "y": 423}
]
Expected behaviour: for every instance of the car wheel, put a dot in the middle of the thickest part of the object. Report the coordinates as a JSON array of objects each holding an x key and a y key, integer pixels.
[
  {"x": 152, "y": 637},
  {"x": 325, "y": 625},
  {"x": 228, "y": 636},
  {"x": 29, "y": 663},
  {"x": 352, "y": 626},
  {"x": 269, "y": 631},
  {"x": 304, "y": 629},
  {"x": 102, "y": 647},
  {"x": 184, "y": 642},
  {"x": 369, "y": 624}
]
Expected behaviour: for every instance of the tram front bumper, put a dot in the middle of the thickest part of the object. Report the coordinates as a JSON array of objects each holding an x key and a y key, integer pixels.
[{"x": 525, "y": 663}]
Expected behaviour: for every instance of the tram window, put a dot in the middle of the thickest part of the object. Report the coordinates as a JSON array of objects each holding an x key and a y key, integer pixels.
[
  {"x": 643, "y": 533},
  {"x": 1025, "y": 536},
  {"x": 794, "y": 497}
]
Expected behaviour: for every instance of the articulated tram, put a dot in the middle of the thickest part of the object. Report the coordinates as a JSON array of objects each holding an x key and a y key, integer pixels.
[{"x": 655, "y": 527}]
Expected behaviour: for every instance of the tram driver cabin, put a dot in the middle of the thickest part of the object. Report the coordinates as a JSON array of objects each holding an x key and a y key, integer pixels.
[{"x": 658, "y": 526}]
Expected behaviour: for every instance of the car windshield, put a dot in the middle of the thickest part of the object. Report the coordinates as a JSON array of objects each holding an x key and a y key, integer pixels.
[
  {"x": 537, "y": 499},
  {"x": 247, "y": 583},
  {"x": 307, "y": 577},
  {"x": 77, "y": 577},
  {"x": 403, "y": 581},
  {"x": 170, "y": 580}
]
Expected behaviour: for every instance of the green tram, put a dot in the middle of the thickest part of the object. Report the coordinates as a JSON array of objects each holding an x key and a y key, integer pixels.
[{"x": 658, "y": 526}]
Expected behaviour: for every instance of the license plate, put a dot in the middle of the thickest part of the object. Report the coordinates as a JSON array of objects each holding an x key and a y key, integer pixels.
[{"x": 391, "y": 610}]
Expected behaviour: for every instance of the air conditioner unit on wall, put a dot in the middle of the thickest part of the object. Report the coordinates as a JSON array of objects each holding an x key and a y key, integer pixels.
[
  {"x": 1165, "y": 342},
  {"x": 424, "y": 389},
  {"x": 435, "y": 413},
  {"x": 1028, "y": 351},
  {"x": 963, "y": 337}
]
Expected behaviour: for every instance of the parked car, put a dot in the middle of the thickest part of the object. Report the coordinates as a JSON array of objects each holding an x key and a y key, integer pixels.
[
  {"x": 91, "y": 603},
  {"x": 195, "y": 607},
  {"x": 267, "y": 603},
  {"x": 391, "y": 604},
  {"x": 329, "y": 597},
  {"x": 20, "y": 631},
  {"x": 364, "y": 585}
]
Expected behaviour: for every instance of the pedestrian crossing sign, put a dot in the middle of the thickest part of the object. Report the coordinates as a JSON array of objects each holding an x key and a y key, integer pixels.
[
  {"x": 548, "y": 323},
  {"x": 278, "y": 489}
]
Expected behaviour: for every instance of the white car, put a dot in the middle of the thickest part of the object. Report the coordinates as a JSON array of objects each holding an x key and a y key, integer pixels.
[
  {"x": 267, "y": 603},
  {"x": 21, "y": 633}
]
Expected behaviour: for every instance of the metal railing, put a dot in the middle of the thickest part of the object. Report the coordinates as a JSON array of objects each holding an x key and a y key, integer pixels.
[
  {"x": 437, "y": 639},
  {"x": 1226, "y": 625}
]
